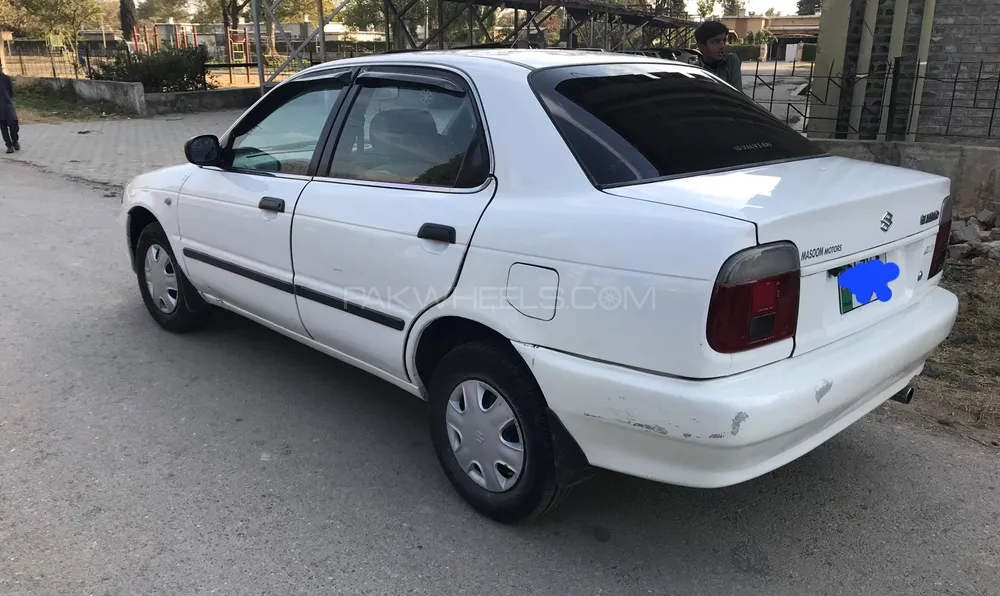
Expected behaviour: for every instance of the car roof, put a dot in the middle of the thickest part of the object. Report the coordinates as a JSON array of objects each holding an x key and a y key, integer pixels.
[{"x": 515, "y": 58}]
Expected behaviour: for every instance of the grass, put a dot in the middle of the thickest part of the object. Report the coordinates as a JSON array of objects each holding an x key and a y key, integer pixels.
[
  {"x": 964, "y": 372},
  {"x": 34, "y": 106}
]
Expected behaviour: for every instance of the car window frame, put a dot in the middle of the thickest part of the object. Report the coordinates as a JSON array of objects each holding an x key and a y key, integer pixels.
[
  {"x": 345, "y": 74},
  {"x": 448, "y": 76},
  {"x": 599, "y": 186}
]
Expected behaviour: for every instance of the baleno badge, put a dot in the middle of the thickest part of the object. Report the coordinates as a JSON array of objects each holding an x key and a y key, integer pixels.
[{"x": 886, "y": 221}]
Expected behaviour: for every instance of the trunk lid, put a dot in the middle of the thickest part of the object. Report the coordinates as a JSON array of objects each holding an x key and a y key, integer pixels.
[{"x": 837, "y": 211}]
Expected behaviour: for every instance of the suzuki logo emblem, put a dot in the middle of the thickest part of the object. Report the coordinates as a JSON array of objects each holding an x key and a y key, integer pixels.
[{"x": 886, "y": 221}]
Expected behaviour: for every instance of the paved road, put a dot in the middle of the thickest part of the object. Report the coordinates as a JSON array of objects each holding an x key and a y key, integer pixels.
[
  {"x": 233, "y": 461},
  {"x": 113, "y": 151}
]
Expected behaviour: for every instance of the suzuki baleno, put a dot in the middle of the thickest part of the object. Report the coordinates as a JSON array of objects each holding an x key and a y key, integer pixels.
[{"x": 580, "y": 260}]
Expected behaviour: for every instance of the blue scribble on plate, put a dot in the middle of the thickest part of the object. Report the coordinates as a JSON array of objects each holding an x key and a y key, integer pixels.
[{"x": 865, "y": 279}]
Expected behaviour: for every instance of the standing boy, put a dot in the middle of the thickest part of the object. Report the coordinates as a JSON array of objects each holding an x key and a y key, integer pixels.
[
  {"x": 8, "y": 117},
  {"x": 711, "y": 38}
]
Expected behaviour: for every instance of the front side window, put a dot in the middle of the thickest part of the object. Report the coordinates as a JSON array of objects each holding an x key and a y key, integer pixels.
[
  {"x": 281, "y": 135},
  {"x": 411, "y": 133},
  {"x": 631, "y": 123}
]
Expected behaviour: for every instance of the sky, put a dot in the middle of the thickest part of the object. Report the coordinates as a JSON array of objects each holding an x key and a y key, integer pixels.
[{"x": 759, "y": 6}]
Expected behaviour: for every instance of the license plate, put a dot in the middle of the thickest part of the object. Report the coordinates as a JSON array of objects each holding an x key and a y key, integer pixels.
[{"x": 847, "y": 300}]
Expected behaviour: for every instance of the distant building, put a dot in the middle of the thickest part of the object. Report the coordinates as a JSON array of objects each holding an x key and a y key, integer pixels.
[
  {"x": 213, "y": 35},
  {"x": 96, "y": 35},
  {"x": 787, "y": 31},
  {"x": 799, "y": 28}
]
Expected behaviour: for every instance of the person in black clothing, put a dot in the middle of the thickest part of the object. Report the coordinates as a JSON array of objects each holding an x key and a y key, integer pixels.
[
  {"x": 8, "y": 117},
  {"x": 711, "y": 37}
]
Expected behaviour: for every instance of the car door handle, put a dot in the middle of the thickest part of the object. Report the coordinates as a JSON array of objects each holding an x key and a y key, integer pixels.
[
  {"x": 437, "y": 232},
  {"x": 272, "y": 204}
]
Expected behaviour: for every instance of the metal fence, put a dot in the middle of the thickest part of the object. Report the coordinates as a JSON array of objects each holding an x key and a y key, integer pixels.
[
  {"x": 245, "y": 73},
  {"x": 60, "y": 63},
  {"x": 33, "y": 60},
  {"x": 948, "y": 103}
]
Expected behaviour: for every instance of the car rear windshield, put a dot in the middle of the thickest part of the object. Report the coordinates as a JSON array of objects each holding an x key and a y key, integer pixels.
[{"x": 631, "y": 123}]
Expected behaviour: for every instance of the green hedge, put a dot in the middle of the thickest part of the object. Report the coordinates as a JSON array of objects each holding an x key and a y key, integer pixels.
[
  {"x": 746, "y": 53},
  {"x": 809, "y": 52},
  {"x": 169, "y": 70}
]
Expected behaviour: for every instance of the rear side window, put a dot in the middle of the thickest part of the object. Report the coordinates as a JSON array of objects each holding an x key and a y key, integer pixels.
[{"x": 631, "y": 123}]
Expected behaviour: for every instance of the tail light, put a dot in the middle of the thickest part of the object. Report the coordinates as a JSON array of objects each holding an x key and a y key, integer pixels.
[
  {"x": 755, "y": 301},
  {"x": 943, "y": 237}
]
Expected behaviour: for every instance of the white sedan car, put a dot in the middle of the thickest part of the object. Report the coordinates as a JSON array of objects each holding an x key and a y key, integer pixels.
[{"x": 580, "y": 260}]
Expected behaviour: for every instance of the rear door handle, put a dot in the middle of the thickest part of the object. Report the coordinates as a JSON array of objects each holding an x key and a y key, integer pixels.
[
  {"x": 272, "y": 204},
  {"x": 437, "y": 232}
]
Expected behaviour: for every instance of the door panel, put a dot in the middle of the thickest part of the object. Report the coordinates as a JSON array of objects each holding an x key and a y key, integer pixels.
[
  {"x": 236, "y": 251},
  {"x": 361, "y": 273},
  {"x": 381, "y": 234},
  {"x": 236, "y": 220}
]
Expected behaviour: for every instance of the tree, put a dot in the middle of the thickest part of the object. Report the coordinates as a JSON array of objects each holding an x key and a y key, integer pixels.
[
  {"x": 364, "y": 14},
  {"x": 705, "y": 8},
  {"x": 229, "y": 11},
  {"x": 770, "y": 12},
  {"x": 732, "y": 7},
  {"x": 61, "y": 17},
  {"x": 759, "y": 38},
  {"x": 809, "y": 7},
  {"x": 126, "y": 15},
  {"x": 108, "y": 15},
  {"x": 671, "y": 8},
  {"x": 161, "y": 10},
  {"x": 12, "y": 16}
]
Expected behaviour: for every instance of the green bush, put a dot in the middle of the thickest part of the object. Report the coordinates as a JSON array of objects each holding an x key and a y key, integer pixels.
[
  {"x": 745, "y": 53},
  {"x": 809, "y": 52},
  {"x": 169, "y": 70}
]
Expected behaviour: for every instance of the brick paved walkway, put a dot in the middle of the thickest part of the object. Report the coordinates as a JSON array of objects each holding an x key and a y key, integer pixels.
[{"x": 113, "y": 151}]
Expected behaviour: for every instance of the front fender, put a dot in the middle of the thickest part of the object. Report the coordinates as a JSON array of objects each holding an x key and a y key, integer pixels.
[{"x": 155, "y": 194}]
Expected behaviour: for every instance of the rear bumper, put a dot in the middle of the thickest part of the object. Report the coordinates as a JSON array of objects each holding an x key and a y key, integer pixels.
[{"x": 725, "y": 431}]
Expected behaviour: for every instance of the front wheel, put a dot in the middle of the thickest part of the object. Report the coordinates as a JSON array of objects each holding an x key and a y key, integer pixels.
[
  {"x": 169, "y": 297},
  {"x": 490, "y": 432}
]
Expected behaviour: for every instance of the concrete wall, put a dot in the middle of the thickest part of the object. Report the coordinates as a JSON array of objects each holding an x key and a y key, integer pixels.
[
  {"x": 200, "y": 101},
  {"x": 128, "y": 96},
  {"x": 133, "y": 100},
  {"x": 972, "y": 170},
  {"x": 825, "y": 96}
]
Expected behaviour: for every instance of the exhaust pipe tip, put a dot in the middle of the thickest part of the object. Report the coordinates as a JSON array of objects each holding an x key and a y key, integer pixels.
[{"x": 905, "y": 396}]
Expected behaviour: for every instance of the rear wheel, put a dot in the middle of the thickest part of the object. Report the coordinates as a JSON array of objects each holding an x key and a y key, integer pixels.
[
  {"x": 490, "y": 432},
  {"x": 169, "y": 297}
]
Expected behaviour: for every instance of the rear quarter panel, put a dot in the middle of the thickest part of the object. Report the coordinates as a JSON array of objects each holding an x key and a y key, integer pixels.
[{"x": 634, "y": 281}]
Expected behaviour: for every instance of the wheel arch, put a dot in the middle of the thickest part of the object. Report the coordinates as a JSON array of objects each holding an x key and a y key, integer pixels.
[
  {"x": 441, "y": 335},
  {"x": 438, "y": 337},
  {"x": 138, "y": 218}
]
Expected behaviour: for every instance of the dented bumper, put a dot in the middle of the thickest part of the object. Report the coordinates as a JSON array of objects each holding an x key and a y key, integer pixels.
[{"x": 721, "y": 432}]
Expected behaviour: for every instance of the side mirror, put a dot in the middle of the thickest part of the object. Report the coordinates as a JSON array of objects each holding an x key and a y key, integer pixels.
[{"x": 203, "y": 150}]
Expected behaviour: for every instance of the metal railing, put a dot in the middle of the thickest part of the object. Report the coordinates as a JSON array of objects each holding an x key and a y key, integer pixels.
[{"x": 958, "y": 103}]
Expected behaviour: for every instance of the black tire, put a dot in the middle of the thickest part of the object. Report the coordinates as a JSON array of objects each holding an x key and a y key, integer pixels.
[
  {"x": 537, "y": 490},
  {"x": 191, "y": 311}
]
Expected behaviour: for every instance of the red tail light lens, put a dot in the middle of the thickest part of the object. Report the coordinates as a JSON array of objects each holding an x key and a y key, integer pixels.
[
  {"x": 755, "y": 301},
  {"x": 943, "y": 237}
]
